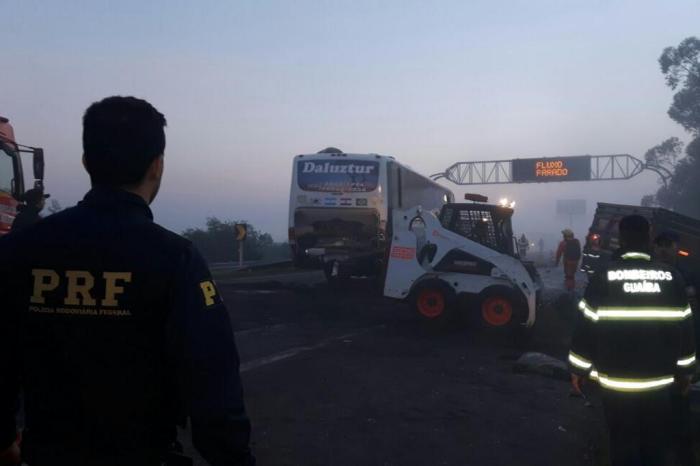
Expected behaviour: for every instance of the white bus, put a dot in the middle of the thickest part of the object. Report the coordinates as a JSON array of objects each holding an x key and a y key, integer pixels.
[{"x": 340, "y": 209}]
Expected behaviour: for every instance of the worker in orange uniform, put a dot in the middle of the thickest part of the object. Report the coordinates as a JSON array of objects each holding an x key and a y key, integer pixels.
[{"x": 570, "y": 249}]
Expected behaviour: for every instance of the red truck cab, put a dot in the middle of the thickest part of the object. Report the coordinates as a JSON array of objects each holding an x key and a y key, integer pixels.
[{"x": 11, "y": 175}]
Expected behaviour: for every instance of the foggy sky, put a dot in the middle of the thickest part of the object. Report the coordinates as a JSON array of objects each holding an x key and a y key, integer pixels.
[{"x": 245, "y": 86}]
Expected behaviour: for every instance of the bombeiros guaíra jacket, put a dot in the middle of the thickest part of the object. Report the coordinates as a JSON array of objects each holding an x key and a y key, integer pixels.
[{"x": 634, "y": 331}]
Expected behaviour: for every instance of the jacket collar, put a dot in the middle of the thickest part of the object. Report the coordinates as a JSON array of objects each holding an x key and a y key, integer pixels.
[
  {"x": 105, "y": 196},
  {"x": 633, "y": 255}
]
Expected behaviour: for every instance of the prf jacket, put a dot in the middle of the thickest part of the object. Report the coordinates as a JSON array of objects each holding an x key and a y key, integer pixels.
[
  {"x": 114, "y": 331},
  {"x": 635, "y": 327}
]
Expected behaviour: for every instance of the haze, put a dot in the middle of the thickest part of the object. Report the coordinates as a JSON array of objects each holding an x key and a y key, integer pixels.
[{"x": 245, "y": 86}]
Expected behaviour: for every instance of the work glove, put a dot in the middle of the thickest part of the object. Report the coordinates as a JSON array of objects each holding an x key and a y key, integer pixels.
[
  {"x": 577, "y": 383},
  {"x": 11, "y": 456}
]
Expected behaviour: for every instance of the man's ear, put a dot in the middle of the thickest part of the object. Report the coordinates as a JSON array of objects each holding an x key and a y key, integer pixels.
[{"x": 155, "y": 171}]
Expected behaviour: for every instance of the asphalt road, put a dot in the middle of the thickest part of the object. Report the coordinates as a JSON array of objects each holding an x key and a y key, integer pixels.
[{"x": 346, "y": 377}]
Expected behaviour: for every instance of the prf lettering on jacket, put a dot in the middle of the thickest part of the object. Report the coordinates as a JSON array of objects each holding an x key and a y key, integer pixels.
[
  {"x": 209, "y": 291},
  {"x": 79, "y": 285}
]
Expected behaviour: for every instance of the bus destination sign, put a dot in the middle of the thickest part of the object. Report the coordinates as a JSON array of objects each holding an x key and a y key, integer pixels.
[{"x": 542, "y": 170}]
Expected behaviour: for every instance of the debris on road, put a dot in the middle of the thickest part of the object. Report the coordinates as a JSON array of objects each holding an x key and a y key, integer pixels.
[{"x": 542, "y": 364}]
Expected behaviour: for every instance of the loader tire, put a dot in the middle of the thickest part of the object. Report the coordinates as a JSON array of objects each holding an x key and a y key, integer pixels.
[
  {"x": 499, "y": 308},
  {"x": 434, "y": 300}
]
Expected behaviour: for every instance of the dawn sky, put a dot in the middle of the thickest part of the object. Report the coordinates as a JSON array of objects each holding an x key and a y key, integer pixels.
[{"x": 245, "y": 86}]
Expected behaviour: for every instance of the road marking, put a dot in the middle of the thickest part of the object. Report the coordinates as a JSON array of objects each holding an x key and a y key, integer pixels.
[
  {"x": 305, "y": 277},
  {"x": 290, "y": 353},
  {"x": 266, "y": 328}
]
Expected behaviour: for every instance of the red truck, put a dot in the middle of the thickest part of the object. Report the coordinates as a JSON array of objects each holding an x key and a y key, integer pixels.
[{"x": 12, "y": 184}]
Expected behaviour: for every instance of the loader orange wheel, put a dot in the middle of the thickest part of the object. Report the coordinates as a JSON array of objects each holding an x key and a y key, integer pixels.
[
  {"x": 497, "y": 311},
  {"x": 430, "y": 303}
]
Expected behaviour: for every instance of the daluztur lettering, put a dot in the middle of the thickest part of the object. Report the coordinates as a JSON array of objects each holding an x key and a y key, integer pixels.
[{"x": 329, "y": 167}]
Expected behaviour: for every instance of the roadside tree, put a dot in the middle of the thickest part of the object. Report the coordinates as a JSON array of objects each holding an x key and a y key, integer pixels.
[
  {"x": 217, "y": 242},
  {"x": 681, "y": 68}
]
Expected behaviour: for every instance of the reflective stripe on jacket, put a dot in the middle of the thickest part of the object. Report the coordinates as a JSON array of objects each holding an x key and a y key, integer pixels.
[{"x": 634, "y": 331}]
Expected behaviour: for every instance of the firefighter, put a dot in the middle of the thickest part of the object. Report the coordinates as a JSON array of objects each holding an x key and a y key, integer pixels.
[
  {"x": 480, "y": 232},
  {"x": 111, "y": 325},
  {"x": 634, "y": 336},
  {"x": 666, "y": 250},
  {"x": 591, "y": 254},
  {"x": 34, "y": 201},
  {"x": 523, "y": 245},
  {"x": 570, "y": 250}
]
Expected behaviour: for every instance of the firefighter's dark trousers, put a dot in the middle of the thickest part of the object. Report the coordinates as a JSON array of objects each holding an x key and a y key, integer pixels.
[
  {"x": 570, "y": 268},
  {"x": 640, "y": 426},
  {"x": 683, "y": 430}
]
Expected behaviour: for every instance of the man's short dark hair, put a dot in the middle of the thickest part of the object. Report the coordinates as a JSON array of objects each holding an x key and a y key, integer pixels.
[
  {"x": 634, "y": 232},
  {"x": 122, "y": 136}
]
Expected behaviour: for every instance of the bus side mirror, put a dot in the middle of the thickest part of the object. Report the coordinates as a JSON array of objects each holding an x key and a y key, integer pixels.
[{"x": 38, "y": 162}]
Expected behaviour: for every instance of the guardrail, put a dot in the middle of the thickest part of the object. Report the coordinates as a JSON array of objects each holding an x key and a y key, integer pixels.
[{"x": 248, "y": 265}]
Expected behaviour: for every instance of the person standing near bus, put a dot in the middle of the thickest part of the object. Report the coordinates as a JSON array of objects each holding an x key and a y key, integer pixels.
[{"x": 570, "y": 251}]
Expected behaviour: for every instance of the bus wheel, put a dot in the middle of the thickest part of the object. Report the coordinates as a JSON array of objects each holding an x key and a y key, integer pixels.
[
  {"x": 433, "y": 300},
  {"x": 334, "y": 276}
]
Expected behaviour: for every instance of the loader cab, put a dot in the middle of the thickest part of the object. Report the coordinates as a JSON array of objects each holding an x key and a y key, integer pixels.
[{"x": 486, "y": 224}]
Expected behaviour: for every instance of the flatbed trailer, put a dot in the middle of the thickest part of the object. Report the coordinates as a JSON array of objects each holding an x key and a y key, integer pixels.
[{"x": 603, "y": 235}]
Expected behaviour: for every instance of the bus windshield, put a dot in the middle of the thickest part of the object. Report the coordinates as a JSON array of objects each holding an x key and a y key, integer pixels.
[{"x": 344, "y": 176}]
